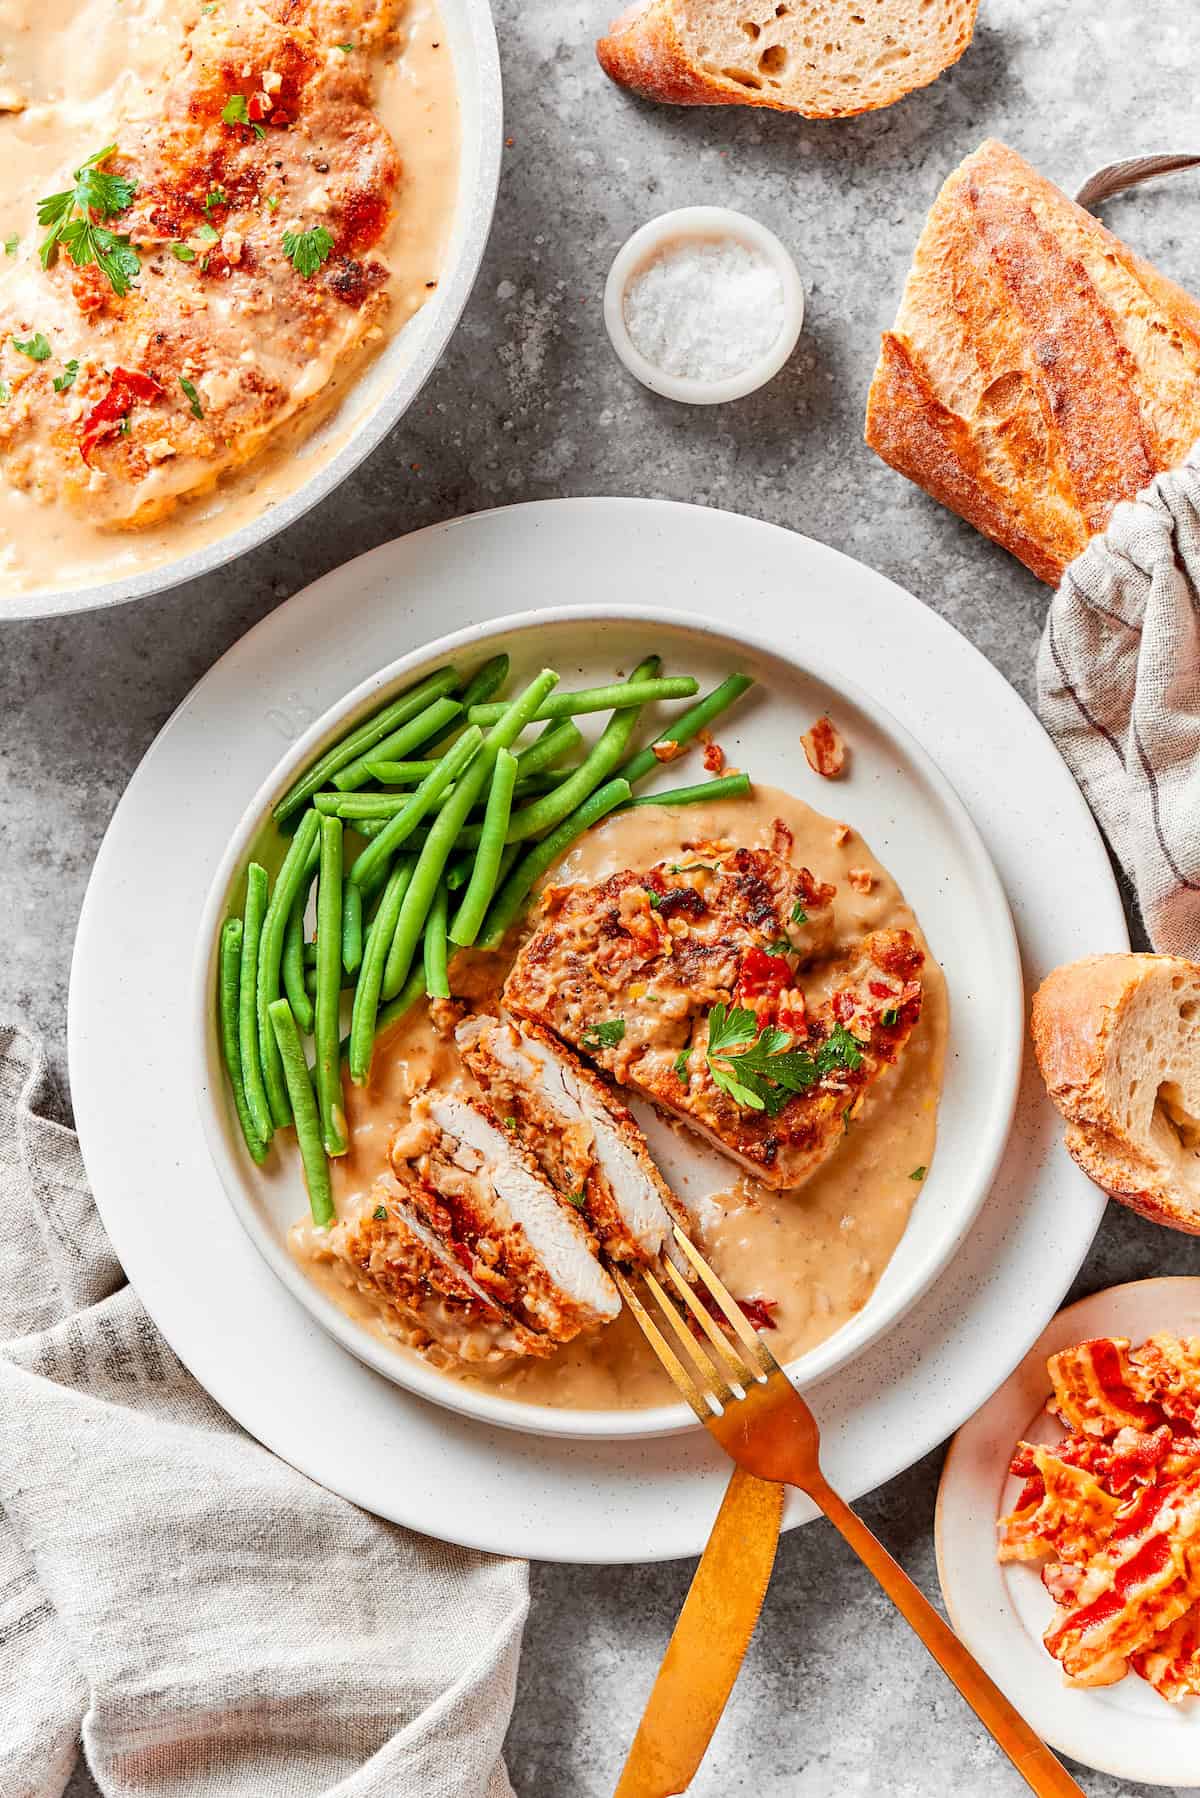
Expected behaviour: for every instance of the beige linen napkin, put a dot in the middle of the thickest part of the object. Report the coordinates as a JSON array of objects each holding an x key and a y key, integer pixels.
[
  {"x": 208, "y": 1621},
  {"x": 1119, "y": 691}
]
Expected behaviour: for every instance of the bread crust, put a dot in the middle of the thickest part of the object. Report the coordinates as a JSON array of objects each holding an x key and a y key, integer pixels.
[
  {"x": 642, "y": 50},
  {"x": 1077, "y": 1012},
  {"x": 999, "y": 301}
]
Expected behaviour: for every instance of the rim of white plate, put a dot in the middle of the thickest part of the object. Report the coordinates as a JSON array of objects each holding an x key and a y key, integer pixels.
[{"x": 208, "y": 1079}]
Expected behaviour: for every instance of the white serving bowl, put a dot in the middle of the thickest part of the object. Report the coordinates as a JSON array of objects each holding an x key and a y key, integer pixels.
[
  {"x": 387, "y": 388},
  {"x": 909, "y": 815}
]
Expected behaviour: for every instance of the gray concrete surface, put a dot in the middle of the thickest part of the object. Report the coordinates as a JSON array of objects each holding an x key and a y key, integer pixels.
[{"x": 836, "y": 1699}]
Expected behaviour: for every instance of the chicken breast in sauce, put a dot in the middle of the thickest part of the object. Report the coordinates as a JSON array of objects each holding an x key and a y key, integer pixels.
[
  {"x": 237, "y": 222},
  {"x": 686, "y": 982}
]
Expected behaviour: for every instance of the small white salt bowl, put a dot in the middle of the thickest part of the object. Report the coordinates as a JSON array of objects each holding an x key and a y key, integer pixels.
[{"x": 702, "y": 224}]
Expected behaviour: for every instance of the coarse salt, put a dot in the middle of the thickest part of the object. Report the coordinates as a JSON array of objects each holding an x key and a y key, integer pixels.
[{"x": 704, "y": 309}]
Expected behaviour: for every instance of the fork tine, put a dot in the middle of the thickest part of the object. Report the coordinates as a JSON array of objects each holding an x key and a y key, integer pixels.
[
  {"x": 733, "y": 1311},
  {"x": 710, "y": 1376},
  {"x": 736, "y": 1366},
  {"x": 663, "y": 1349}
]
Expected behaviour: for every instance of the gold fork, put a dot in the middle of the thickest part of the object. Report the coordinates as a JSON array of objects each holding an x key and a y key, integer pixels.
[{"x": 748, "y": 1403}]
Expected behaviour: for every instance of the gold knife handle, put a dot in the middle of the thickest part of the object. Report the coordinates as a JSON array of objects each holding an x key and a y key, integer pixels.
[{"x": 709, "y": 1642}]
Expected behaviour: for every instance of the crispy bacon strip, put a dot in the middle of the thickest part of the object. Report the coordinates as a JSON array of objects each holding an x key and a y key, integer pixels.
[
  {"x": 1099, "y": 1391},
  {"x": 1063, "y": 1510},
  {"x": 824, "y": 749}
]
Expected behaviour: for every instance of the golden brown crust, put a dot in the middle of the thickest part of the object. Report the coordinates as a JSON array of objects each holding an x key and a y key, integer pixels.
[{"x": 1021, "y": 385}]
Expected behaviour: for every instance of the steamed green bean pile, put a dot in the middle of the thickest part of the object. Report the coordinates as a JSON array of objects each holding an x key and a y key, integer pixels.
[{"x": 424, "y": 830}]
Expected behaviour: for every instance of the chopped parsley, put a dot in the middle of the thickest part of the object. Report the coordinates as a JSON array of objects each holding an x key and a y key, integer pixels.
[
  {"x": 10, "y": 244},
  {"x": 189, "y": 388},
  {"x": 95, "y": 195},
  {"x": 889, "y": 1015},
  {"x": 655, "y": 899},
  {"x": 272, "y": 202},
  {"x": 5, "y": 392},
  {"x": 379, "y": 1213},
  {"x": 36, "y": 347},
  {"x": 210, "y": 7},
  {"x": 799, "y": 915},
  {"x": 183, "y": 252},
  {"x": 344, "y": 48},
  {"x": 767, "y": 1071},
  {"x": 605, "y": 1035},
  {"x": 206, "y": 234},
  {"x": 918, "y": 1173},
  {"x": 681, "y": 1066},
  {"x": 307, "y": 250},
  {"x": 780, "y": 946},
  {"x": 67, "y": 377},
  {"x": 573, "y": 1198},
  {"x": 846, "y": 1120},
  {"x": 216, "y": 196},
  {"x": 235, "y": 112},
  {"x": 690, "y": 868}
]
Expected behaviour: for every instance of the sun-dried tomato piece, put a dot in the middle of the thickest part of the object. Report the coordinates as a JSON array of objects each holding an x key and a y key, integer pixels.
[
  {"x": 824, "y": 748},
  {"x": 104, "y": 419}
]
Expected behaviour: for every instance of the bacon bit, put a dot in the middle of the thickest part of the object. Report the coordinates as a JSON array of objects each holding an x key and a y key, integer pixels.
[
  {"x": 756, "y": 1311},
  {"x": 814, "y": 892},
  {"x": 714, "y": 758},
  {"x": 824, "y": 749},
  {"x": 841, "y": 834},
  {"x": 762, "y": 975},
  {"x": 861, "y": 879},
  {"x": 843, "y": 1005},
  {"x": 878, "y": 990},
  {"x": 259, "y": 107},
  {"x": 666, "y": 752},
  {"x": 781, "y": 839},
  {"x": 104, "y": 419}
]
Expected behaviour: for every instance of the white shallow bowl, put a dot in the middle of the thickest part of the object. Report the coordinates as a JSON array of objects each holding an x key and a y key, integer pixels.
[
  {"x": 702, "y": 224},
  {"x": 387, "y": 388},
  {"x": 1001, "y": 1612},
  {"x": 910, "y": 817}
]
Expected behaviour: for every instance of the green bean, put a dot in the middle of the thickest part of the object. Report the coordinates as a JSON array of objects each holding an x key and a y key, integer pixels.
[
  {"x": 352, "y": 931},
  {"x": 559, "y": 740},
  {"x": 310, "y": 955},
  {"x": 486, "y": 680},
  {"x": 304, "y": 1110},
  {"x": 600, "y": 699},
  {"x": 426, "y": 724},
  {"x": 229, "y": 975},
  {"x": 292, "y": 964},
  {"x": 370, "y": 978},
  {"x": 437, "y": 978},
  {"x": 369, "y": 867},
  {"x": 601, "y": 760},
  {"x": 388, "y": 774},
  {"x": 270, "y": 955},
  {"x": 356, "y": 808},
  {"x": 248, "y": 1041},
  {"x": 447, "y": 832},
  {"x": 445, "y": 680},
  {"x": 688, "y": 725},
  {"x": 329, "y": 988},
  {"x": 729, "y": 786},
  {"x": 509, "y": 902},
  {"x": 478, "y": 895}
]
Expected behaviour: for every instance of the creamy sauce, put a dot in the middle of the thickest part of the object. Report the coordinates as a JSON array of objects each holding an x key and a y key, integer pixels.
[
  {"x": 818, "y": 1251},
  {"x": 73, "y": 74}
]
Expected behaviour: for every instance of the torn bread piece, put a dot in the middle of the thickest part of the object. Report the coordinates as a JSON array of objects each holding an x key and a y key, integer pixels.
[{"x": 584, "y": 1139}]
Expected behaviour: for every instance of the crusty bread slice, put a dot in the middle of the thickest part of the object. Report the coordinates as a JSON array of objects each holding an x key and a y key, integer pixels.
[
  {"x": 1118, "y": 1042},
  {"x": 827, "y": 59}
]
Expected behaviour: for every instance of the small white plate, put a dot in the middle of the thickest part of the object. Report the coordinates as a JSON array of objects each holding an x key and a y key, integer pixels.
[
  {"x": 894, "y": 796},
  {"x": 1001, "y": 1611},
  {"x": 256, "y": 1349}
]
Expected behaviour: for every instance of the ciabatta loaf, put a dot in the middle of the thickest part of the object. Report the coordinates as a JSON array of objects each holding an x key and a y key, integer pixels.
[
  {"x": 826, "y": 59},
  {"x": 1038, "y": 370},
  {"x": 1118, "y": 1042}
]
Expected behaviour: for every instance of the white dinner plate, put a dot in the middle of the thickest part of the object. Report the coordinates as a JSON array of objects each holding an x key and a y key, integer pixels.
[
  {"x": 907, "y": 814},
  {"x": 249, "y": 1341},
  {"x": 1001, "y": 1611}
]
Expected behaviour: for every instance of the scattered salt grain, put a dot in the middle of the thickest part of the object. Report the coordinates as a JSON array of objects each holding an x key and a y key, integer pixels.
[{"x": 704, "y": 309}]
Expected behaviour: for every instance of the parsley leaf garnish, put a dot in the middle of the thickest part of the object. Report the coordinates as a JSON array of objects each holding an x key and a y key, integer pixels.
[
  {"x": 234, "y": 112},
  {"x": 839, "y": 1050},
  {"x": 95, "y": 195},
  {"x": 379, "y": 1213},
  {"x": 216, "y": 196},
  {"x": 918, "y": 1173},
  {"x": 307, "y": 250},
  {"x": 10, "y": 244},
  {"x": 36, "y": 347},
  {"x": 655, "y": 899},
  {"x": 189, "y": 388},
  {"x": 768, "y": 1070},
  {"x": 575, "y": 1198},
  {"x": 183, "y": 252},
  {"x": 889, "y": 1015},
  {"x": 605, "y": 1035},
  {"x": 67, "y": 377},
  {"x": 206, "y": 233},
  {"x": 799, "y": 915},
  {"x": 681, "y": 1066},
  {"x": 344, "y": 48}
]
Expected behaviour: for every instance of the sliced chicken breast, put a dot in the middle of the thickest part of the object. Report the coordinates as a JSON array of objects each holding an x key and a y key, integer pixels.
[{"x": 585, "y": 1141}]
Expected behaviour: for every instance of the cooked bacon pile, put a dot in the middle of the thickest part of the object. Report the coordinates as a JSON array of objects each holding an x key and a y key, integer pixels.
[
  {"x": 1113, "y": 1510},
  {"x": 632, "y": 973},
  {"x": 264, "y": 127}
]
